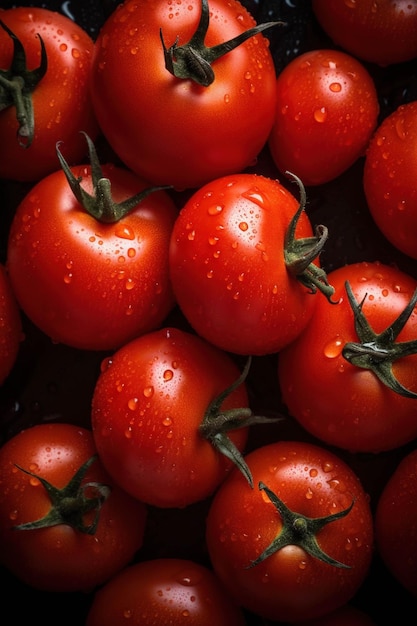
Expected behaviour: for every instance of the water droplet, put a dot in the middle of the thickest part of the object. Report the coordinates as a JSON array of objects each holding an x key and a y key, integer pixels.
[
  {"x": 335, "y": 87},
  {"x": 132, "y": 404},
  {"x": 333, "y": 348},
  {"x": 168, "y": 375},
  {"x": 243, "y": 226},
  {"x": 148, "y": 391},
  {"x": 167, "y": 421},
  {"x": 124, "y": 231},
  {"x": 63, "y": 47},
  {"x": 320, "y": 115},
  {"x": 68, "y": 278},
  {"x": 215, "y": 209},
  {"x": 75, "y": 53},
  {"x": 191, "y": 235}
]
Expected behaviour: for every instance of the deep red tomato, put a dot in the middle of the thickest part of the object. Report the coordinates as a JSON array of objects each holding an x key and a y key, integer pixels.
[
  {"x": 84, "y": 282},
  {"x": 70, "y": 554},
  {"x": 164, "y": 591},
  {"x": 261, "y": 541},
  {"x": 148, "y": 404},
  {"x": 336, "y": 395},
  {"x": 396, "y": 523},
  {"x": 172, "y": 130},
  {"x": 10, "y": 326},
  {"x": 234, "y": 274},
  {"x": 61, "y": 101},
  {"x": 389, "y": 174},
  {"x": 380, "y": 32},
  {"x": 327, "y": 109}
]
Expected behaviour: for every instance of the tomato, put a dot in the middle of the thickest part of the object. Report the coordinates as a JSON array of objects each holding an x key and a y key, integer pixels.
[
  {"x": 299, "y": 544},
  {"x": 59, "y": 102},
  {"x": 174, "y": 130},
  {"x": 327, "y": 109},
  {"x": 396, "y": 523},
  {"x": 105, "y": 282},
  {"x": 148, "y": 405},
  {"x": 10, "y": 326},
  {"x": 74, "y": 550},
  {"x": 347, "y": 381},
  {"x": 390, "y": 168},
  {"x": 164, "y": 591},
  {"x": 379, "y": 32},
  {"x": 235, "y": 265}
]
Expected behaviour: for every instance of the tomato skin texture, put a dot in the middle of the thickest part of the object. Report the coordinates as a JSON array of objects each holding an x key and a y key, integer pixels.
[
  {"x": 173, "y": 131},
  {"x": 104, "y": 283},
  {"x": 327, "y": 109},
  {"x": 389, "y": 171},
  {"x": 60, "y": 558},
  {"x": 228, "y": 269},
  {"x": 10, "y": 326},
  {"x": 382, "y": 33},
  {"x": 164, "y": 591},
  {"x": 290, "y": 585},
  {"x": 61, "y": 100},
  {"x": 336, "y": 401},
  {"x": 148, "y": 403},
  {"x": 396, "y": 523}
]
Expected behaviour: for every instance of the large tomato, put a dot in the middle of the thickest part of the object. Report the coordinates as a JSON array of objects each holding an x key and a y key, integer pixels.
[
  {"x": 348, "y": 378},
  {"x": 299, "y": 544},
  {"x": 10, "y": 326},
  {"x": 174, "y": 130},
  {"x": 59, "y": 102},
  {"x": 90, "y": 528}
]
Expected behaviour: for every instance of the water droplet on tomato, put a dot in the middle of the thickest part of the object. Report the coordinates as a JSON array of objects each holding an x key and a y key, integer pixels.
[
  {"x": 148, "y": 391},
  {"x": 124, "y": 231},
  {"x": 320, "y": 115},
  {"x": 333, "y": 348},
  {"x": 335, "y": 87},
  {"x": 132, "y": 404},
  {"x": 168, "y": 375},
  {"x": 243, "y": 226}
]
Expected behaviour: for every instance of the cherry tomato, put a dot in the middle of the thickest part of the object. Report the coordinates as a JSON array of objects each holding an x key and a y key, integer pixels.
[
  {"x": 327, "y": 109},
  {"x": 90, "y": 528},
  {"x": 10, "y": 326},
  {"x": 299, "y": 544}
]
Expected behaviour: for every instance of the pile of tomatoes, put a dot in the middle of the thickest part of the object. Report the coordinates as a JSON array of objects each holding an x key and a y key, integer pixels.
[{"x": 208, "y": 387}]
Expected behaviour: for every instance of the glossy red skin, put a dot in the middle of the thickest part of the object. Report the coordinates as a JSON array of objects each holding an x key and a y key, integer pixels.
[
  {"x": 164, "y": 591},
  {"x": 228, "y": 269},
  {"x": 327, "y": 109},
  {"x": 379, "y": 32},
  {"x": 290, "y": 585},
  {"x": 10, "y": 326},
  {"x": 104, "y": 283},
  {"x": 174, "y": 131},
  {"x": 396, "y": 523},
  {"x": 148, "y": 403},
  {"x": 341, "y": 404},
  {"x": 60, "y": 558},
  {"x": 389, "y": 172},
  {"x": 61, "y": 100}
]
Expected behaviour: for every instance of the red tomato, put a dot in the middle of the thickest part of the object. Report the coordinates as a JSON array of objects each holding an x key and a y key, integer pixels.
[
  {"x": 172, "y": 130},
  {"x": 230, "y": 266},
  {"x": 396, "y": 523},
  {"x": 380, "y": 32},
  {"x": 61, "y": 556},
  {"x": 289, "y": 583},
  {"x": 164, "y": 591},
  {"x": 10, "y": 326},
  {"x": 149, "y": 402},
  {"x": 336, "y": 400},
  {"x": 327, "y": 109},
  {"x": 388, "y": 178},
  {"x": 104, "y": 283},
  {"x": 60, "y": 100}
]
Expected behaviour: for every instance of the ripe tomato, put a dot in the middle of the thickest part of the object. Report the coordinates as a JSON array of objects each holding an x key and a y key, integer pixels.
[
  {"x": 327, "y": 109},
  {"x": 164, "y": 591},
  {"x": 235, "y": 266},
  {"x": 104, "y": 282},
  {"x": 148, "y": 404},
  {"x": 61, "y": 102},
  {"x": 69, "y": 554},
  {"x": 173, "y": 130},
  {"x": 396, "y": 523},
  {"x": 339, "y": 396},
  {"x": 379, "y": 32},
  {"x": 10, "y": 326},
  {"x": 388, "y": 178},
  {"x": 268, "y": 545}
]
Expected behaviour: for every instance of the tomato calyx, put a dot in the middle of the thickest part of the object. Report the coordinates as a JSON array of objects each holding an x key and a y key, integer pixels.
[
  {"x": 299, "y": 530},
  {"x": 300, "y": 253},
  {"x": 100, "y": 204},
  {"x": 193, "y": 60},
  {"x": 216, "y": 423},
  {"x": 378, "y": 351},
  {"x": 71, "y": 503},
  {"x": 17, "y": 84}
]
